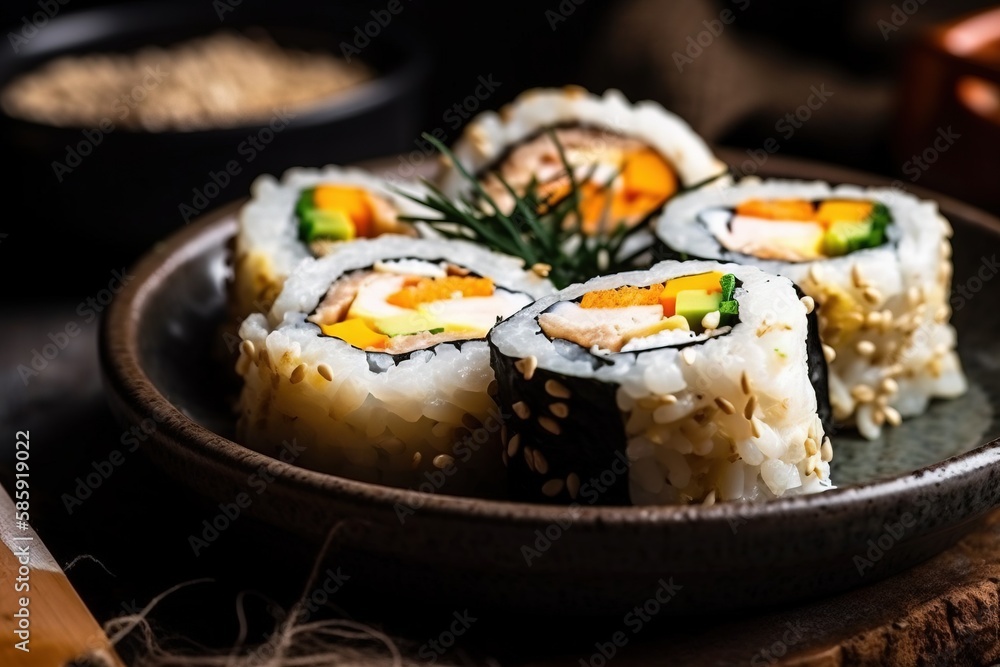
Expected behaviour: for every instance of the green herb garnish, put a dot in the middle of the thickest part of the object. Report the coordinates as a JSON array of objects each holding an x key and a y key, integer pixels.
[{"x": 543, "y": 231}]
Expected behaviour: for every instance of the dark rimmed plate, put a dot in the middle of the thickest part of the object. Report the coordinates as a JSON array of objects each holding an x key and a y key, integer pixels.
[{"x": 901, "y": 499}]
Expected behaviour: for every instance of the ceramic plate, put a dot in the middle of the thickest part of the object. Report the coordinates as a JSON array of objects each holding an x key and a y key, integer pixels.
[{"x": 899, "y": 499}]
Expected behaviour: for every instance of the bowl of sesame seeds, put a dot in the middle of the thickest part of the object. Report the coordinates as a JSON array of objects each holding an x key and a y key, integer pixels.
[{"x": 157, "y": 112}]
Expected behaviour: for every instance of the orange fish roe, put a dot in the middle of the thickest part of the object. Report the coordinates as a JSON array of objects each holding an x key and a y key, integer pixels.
[
  {"x": 778, "y": 209},
  {"x": 623, "y": 297},
  {"x": 438, "y": 289}
]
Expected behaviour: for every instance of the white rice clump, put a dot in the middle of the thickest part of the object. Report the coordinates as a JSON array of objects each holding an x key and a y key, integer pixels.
[
  {"x": 491, "y": 134},
  {"x": 685, "y": 410},
  {"x": 267, "y": 246},
  {"x": 415, "y": 417},
  {"x": 884, "y": 314}
]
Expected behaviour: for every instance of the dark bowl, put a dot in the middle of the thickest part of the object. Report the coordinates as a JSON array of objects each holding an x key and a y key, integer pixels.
[
  {"x": 132, "y": 188},
  {"x": 901, "y": 499}
]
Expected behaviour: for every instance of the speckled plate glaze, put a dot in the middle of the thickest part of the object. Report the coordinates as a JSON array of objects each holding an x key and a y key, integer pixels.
[{"x": 900, "y": 500}]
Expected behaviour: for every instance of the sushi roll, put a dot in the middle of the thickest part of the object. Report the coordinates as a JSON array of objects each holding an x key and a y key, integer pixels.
[
  {"x": 876, "y": 261},
  {"x": 373, "y": 358},
  {"x": 692, "y": 382},
  {"x": 307, "y": 214},
  {"x": 628, "y": 159}
]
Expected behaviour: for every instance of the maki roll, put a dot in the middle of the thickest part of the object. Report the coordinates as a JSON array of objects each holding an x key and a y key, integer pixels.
[
  {"x": 626, "y": 159},
  {"x": 373, "y": 359},
  {"x": 687, "y": 383},
  {"x": 307, "y": 214},
  {"x": 876, "y": 261}
]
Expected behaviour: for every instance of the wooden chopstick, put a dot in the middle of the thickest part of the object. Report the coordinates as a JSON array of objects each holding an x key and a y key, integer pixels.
[{"x": 45, "y": 622}]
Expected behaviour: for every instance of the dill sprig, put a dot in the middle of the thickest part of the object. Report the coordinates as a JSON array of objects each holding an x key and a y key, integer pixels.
[{"x": 541, "y": 230}]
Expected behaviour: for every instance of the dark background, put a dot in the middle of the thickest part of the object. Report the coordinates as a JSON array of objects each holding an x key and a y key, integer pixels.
[{"x": 759, "y": 69}]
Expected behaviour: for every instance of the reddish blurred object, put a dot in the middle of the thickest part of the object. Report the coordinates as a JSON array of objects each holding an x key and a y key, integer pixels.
[{"x": 948, "y": 134}]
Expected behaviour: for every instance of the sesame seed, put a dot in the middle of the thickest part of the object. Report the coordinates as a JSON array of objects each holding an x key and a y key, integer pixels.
[
  {"x": 550, "y": 425},
  {"x": 865, "y": 348},
  {"x": 914, "y": 295},
  {"x": 521, "y": 409},
  {"x": 298, "y": 374},
  {"x": 527, "y": 366},
  {"x": 443, "y": 461},
  {"x": 541, "y": 269},
  {"x": 513, "y": 444},
  {"x": 573, "y": 484},
  {"x": 247, "y": 348},
  {"x": 755, "y": 427},
  {"x": 892, "y": 415},
  {"x": 942, "y": 314},
  {"x": 416, "y": 460},
  {"x": 857, "y": 278},
  {"x": 529, "y": 458},
  {"x": 811, "y": 447},
  {"x": 325, "y": 372},
  {"x": 711, "y": 320},
  {"x": 560, "y": 410},
  {"x": 809, "y": 303},
  {"x": 829, "y": 353},
  {"x": 862, "y": 393},
  {"x": 709, "y": 499},
  {"x": 826, "y": 451},
  {"x": 541, "y": 464},
  {"x": 878, "y": 417},
  {"x": 553, "y": 487},
  {"x": 815, "y": 273},
  {"x": 557, "y": 389},
  {"x": 750, "y": 407},
  {"x": 725, "y": 405},
  {"x": 689, "y": 355},
  {"x": 243, "y": 364},
  {"x": 668, "y": 399},
  {"x": 888, "y": 386},
  {"x": 872, "y": 295},
  {"x": 745, "y": 383}
]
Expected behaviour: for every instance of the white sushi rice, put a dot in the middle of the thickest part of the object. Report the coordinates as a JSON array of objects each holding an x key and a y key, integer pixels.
[
  {"x": 363, "y": 415},
  {"x": 267, "y": 246},
  {"x": 682, "y": 446},
  {"x": 883, "y": 311},
  {"x": 491, "y": 134}
]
